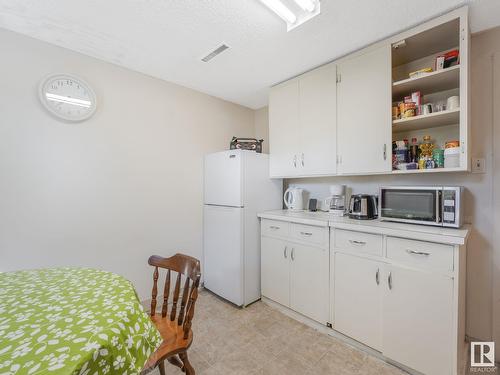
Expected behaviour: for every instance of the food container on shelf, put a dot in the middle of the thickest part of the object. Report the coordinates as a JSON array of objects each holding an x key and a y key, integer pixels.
[
  {"x": 452, "y": 157},
  {"x": 438, "y": 156}
]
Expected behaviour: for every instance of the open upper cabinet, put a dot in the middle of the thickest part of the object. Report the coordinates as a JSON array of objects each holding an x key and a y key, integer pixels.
[
  {"x": 353, "y": 119},
  {"x": 430, "y": 72}
]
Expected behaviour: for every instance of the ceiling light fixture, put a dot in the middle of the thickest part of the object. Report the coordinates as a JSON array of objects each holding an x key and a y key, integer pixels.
[
  {"x": 306, "y": 5},
  {"x": 281, "y": 10},
  {"x": 294, "y": 12}
]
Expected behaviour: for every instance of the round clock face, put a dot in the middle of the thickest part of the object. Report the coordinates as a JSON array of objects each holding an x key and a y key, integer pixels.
[{"x": 68, "y": 97}]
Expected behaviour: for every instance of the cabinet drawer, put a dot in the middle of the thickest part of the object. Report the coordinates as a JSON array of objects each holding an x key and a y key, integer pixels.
[
  {"x": 358, "y": 242},
  {"x": 310, "y": 234},
  {"x": 275, "y": 228},
  {"x": 420, "y": 253}
]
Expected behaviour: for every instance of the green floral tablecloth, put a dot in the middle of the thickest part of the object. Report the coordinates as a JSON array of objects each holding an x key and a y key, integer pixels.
[{"x": 72, "y": 321}]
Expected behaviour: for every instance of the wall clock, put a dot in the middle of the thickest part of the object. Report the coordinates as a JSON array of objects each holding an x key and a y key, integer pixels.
[{"x": 68, "y": 97}]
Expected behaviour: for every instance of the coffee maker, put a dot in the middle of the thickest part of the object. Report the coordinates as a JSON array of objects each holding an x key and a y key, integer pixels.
[{"x": 337, "y": 200}]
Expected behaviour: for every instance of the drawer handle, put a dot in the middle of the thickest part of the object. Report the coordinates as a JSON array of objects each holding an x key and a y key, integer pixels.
[
  {"x": 306, "y": 233},
  {"x": 359, "y": 243},
  {"x": 274, "y": 227},
  {"x": 284, "y": 252},
  {"x": 377, "y": 276},
  {"x": 413, "y": 252}
]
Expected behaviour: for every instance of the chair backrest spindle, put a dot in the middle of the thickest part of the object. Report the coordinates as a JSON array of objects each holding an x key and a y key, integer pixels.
[
  {"x": 154, "y": 292},
  {"x": 166, "y": 293},
  {"x": 185, "y": 293},
  {"x": 177, "y": 289}
]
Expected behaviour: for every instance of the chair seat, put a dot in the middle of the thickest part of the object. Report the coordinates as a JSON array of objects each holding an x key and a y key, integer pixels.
[{"x": 173, "y": 339}]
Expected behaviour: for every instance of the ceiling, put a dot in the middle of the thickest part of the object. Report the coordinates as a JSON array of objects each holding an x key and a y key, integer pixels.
[{"x": 167, "y": 38}]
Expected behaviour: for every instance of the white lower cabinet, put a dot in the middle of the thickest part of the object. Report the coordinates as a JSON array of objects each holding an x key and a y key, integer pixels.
[
  {"x": 418, "y": 320},
  {"x": 402, "y": 296},
  {"x": 275, "y": 270},
  {"x": 358, "y": 299},
  {"x": 309, "y": 281},
  {"x": 294, "y": 272}
]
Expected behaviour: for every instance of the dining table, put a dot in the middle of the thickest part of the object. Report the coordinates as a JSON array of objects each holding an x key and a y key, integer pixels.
[{"x": 72, "y": 321}]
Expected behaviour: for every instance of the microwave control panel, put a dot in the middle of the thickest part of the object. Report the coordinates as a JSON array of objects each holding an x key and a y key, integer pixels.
[{"x": 449, "y": 206}]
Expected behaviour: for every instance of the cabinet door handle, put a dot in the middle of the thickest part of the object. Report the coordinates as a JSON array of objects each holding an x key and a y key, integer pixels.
[
  {"x": 389, "y": 281},
  {"x": 306, "y": 233},
  {"x": 302, "y": 159},
  {"x": 295, "y": 161},
  {"x": 292, "y": 255},
  {"x": 413, "y": 252},
  {"x": 385, "y": 151},
  {"x": 377, "y": 276},
  {"x": 284, "y": 252},
  {"x": 274, "y": 227},
  {"x": 360, "y": 243}
]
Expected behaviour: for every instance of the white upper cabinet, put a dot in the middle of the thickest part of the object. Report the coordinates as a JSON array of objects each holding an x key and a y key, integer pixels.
[
  {"x": 283, "y": 129},
  {"x": 338, "y": 119},
  {"x": 364, "y": 117},
  {"x": 302, "y": 118},
  {"x": 317, "y": 113}
]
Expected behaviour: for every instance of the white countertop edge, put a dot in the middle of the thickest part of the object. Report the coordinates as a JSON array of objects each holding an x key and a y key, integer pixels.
[
  {"x": 294, "y": 219},
  {"x": 412, "y": 231}
]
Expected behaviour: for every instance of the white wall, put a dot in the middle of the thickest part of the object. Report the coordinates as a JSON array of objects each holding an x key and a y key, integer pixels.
[
  {"x": 481, "y": 295},
  {"x": 261, "y": 124},
  {"x": 110, "y": 191}
]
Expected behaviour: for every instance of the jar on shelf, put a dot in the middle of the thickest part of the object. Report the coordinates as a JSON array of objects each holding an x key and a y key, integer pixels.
[{"x": 426, "y": 147}]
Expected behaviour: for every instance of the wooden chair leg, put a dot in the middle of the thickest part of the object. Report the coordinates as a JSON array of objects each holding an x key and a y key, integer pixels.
[
  {"x": 187, "y": 366},
  {"x": 161, "y": 367},
  {"x": 175, "y": 361}
]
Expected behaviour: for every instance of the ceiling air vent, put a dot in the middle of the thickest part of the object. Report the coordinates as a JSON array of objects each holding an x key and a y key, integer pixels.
[{"x": 215, "y": 52}]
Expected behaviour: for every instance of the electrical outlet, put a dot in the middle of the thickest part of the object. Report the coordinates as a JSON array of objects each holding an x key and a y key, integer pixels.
[{"x": 478, "y": 165}]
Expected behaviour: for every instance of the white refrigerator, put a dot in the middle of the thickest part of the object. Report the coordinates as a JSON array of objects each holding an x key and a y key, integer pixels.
[{"x": 236, "y": 187}]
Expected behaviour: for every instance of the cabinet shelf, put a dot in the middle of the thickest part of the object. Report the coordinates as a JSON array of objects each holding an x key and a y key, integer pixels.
[
  {"x": 435, "y": 170},
  {"x": 440, "y": 80},
  {"x": 432, "y": 120}
]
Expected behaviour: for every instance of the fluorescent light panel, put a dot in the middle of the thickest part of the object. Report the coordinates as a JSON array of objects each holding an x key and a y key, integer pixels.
[
  {"x": 281, "y": 10},
  {"x": 294, "y": 12},
  {"x": 306, "y": 5}
]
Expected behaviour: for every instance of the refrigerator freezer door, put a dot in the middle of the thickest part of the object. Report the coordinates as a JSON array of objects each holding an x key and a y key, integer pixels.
[
  {"x": 223, "y": 179},
  {"x": 223, "y": 252}
]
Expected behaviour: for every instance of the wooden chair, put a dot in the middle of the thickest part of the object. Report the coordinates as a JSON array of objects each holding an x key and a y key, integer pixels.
[{"x": 175, "y": 328}]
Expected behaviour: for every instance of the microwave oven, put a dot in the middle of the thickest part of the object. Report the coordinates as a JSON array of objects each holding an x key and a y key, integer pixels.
[{"x": 428, "y": 205}]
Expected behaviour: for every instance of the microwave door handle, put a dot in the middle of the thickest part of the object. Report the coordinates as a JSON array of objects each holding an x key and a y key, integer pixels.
[{"x": 439, "y": 207}]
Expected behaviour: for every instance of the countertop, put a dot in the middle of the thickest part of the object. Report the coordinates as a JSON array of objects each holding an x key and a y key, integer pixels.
[{"x": 419, "y": 232}]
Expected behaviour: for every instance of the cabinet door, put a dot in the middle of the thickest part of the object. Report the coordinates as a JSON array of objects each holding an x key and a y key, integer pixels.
[
  {"x": 364, "y": 113},
  {"x": 275, "y": 270},
  {"x": 283, "y": 129},
  {"x": 318, "y": 119},
  {"x": 418, "y": 317},
  {"x": 358, "y": 299},
  {"x": 309, "y": 281}
]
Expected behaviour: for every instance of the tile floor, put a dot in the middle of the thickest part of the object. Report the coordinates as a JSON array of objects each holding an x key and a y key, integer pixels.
[{"x": 261, "y": 340}]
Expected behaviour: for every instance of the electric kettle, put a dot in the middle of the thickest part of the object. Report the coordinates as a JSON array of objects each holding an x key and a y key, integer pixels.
[{"x": 293, "y": 198}]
